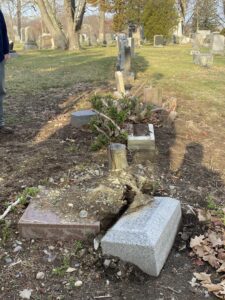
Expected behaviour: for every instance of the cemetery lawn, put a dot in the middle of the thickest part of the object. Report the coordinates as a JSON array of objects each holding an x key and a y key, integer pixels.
[{"x": 44, "y": 87}]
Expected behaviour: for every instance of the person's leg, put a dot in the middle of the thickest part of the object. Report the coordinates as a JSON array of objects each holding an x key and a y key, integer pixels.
[{"x": 2, "y": 91}]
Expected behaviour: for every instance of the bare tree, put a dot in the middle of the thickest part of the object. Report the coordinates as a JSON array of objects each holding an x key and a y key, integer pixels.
[
  {"x": 74, "y": 15},
  {"x": 74, "y": 11}
]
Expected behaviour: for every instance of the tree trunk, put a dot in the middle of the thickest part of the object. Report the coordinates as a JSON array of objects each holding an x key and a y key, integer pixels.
[
  {"x": 74, "y": 16},
  {"x": 101, "y": 35},
  {"x": 52, "y": 24},
  {"x": 18, "y": 14}
]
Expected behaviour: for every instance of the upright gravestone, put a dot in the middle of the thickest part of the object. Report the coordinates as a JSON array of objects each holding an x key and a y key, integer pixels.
[
  {"x": 158, "y": 41},
  {"x": 109, "y": 38},
  {"x": 127, "y": 64},
  {"x": 93, "y": 39},
  {"x": 203, "y": 59},
  {"x": 30, "y": 40},
  {"x": 120, "y": 82},
  {"x": 23, "y": 34},
  {"x": 131, "y": 44},
  {"x": 122, "y": 43},
  {"x": 46, "y": 41},
  {"x": 137, "y": 35},
  {"x": 217, "y": 43}
]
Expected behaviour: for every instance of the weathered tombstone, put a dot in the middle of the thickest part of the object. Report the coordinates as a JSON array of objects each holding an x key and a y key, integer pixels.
[
  {"x": 109, "y": 38},
  {"x": 12, "y": 53},
  {"x": 93, "y": 40},
  {"x": 46, "y": 41},
  {"x": 82, "y": 117},
  {"x": 184, "y": 40},
  {"x": 137, "y": 35},
  {"x": 153, "y": 95},
  {"x": 30, "y": 40},
  {"x": 145, "y": 237},
  {"x": 22, "y": 34},
  {"x": 122, "y": 43},
  {"x": 158, "y": 41},
  {"x": 131, "y": 45},
  {"x": 217, "y": 43},
  {"x": 120, "y": 82},
  {"x": 117, "y": 155},
  {"x": 203, "y": 59},
  {"x": 127, "y": 64}
]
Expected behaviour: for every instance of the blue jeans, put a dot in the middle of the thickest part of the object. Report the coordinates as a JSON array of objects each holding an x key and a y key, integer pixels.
[{"x": 2, "y": 91}]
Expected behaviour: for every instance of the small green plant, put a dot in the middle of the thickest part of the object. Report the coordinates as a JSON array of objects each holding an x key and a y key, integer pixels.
[
  {"x": 99, "y": 143},
  {"x": 5, "y": 232},
  {"x": 109, "y": 124},
  {"x": 215, "y": 208},
  {"x": 28, "y": 193},
  {"x": 71, "y": 148},
  {"x": 211, "y": 203},
  {"x": 60, "y": 271},
  {"x": 78, "y": 245}
]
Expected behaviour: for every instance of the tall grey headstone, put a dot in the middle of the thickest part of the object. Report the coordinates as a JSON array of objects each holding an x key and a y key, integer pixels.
[
  {"x": 30, "y": 39},
  {"x": 132, "y": 45},
  {"x": 127, "y": 64}
]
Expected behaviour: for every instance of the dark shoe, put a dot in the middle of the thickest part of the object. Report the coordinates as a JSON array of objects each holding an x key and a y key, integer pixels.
[{"x": 6, "y": 130}]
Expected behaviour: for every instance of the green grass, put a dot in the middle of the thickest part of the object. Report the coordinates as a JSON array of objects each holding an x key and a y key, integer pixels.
[
  {"x": 34, "y": 71},
  {"x": 172, "y": 68}
]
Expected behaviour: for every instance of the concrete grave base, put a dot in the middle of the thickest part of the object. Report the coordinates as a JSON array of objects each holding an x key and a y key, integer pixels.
[
  {"x": 45, "y": 224},
  {"x": 145, "y": 237},
  {"x": 82, "y": 117},
  {"x": 141, "y": 140}
]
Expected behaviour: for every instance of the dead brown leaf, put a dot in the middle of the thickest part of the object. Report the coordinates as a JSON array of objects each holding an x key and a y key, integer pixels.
[
  {"x": 203, "y": 215},
  {"x": 222, "y": 268},
  {"x": 214, "y": 239},
  {"x": 212, "y": 260},
  {"x": 197, "y": 241},
  {"x": 211, "y": 287},
  {"x": 204, "y": 277}
]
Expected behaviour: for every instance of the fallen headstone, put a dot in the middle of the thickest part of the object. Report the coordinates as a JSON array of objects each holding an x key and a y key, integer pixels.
[
  {"x": 82, "y": 117},
  {"x": 146, "y": 236},
  {"x": 43, "y": 223},
  {"x": 74, "y": 212}
]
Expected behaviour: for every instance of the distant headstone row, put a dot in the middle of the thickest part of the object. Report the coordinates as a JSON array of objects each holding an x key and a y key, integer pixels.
[{"x": 215, "y": 42}]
